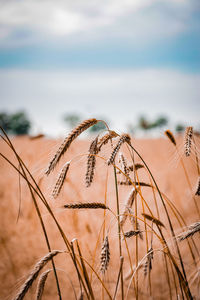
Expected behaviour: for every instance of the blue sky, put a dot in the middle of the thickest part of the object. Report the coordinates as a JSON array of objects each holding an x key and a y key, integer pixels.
[{"x": 150, "y": 44}]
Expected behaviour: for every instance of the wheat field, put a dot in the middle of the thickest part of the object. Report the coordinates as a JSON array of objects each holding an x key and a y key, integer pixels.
[{"x": 120, "y": 221}]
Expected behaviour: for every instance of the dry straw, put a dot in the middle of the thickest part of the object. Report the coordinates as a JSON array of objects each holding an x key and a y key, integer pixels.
[
  {"x": 34, "y": 274},
  {"x": 170, "y": 136},
  {"x": 91, "y": 162},
  {"x": 105, "y": 255},
  {"x": 93, "y": 205},
  {"x": 60, "y": 180},
  {"x": 41, "y": 284},
  {"x": 67, "y": 142},
  {"x": 128, "y": 205},
  {"x": 188, "y": 140},
  {"x": 122, "y": 139},
  {"x": 192, "y": 229}
]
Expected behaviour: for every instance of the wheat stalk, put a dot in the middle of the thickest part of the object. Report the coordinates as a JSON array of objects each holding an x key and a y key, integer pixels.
[
  {"x": 67, "y": 142},
  {"x": 34, "y": 274},
  {"x": 91, "y": 162},
  {"x": 192, "y": 229},
  {"x": 105, "y": 255},
  {"x": 188, "y": 140},
  {"x": 93, "y": 205},
  {"x": 122, "y": 139},
  {"x": 60, "y": 180},
  {"x": 41, "y": 284}
]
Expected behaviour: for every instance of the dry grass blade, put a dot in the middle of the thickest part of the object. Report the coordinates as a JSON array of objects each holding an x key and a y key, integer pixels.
[
  {"x": 148, "y": 263},
  {"x": 93, "y": 205},
  {"x": 131, "y": 233},
  {"x": 170, "y": 136},
  {"x": 67, "y": 142},
  {"x": 192, "y": 229},
  {"x": 188, "y": 140},
  {"x": 122, "y": 139},
  {"x": 41, "y": 284},
  {"x": 128, "y": 205},
  {"x": 34, "y": 274},
  {"x": 91, "y": 162},
  {"x": 60, "y": 180},
  {"x": 198, "y": 189},
  {"x": 105, "y": 255},
  {"x": 153, "y": 219},
  {"x": 106, "y": 138}
]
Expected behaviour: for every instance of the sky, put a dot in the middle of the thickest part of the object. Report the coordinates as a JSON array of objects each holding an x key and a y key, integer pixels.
[{"x": 112, "y": 59}]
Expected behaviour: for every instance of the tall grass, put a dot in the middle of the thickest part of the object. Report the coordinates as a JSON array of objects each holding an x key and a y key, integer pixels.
[{"x": 145, "y": 229}]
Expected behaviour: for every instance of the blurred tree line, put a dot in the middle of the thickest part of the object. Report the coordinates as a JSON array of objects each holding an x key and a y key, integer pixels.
[{"x": 17, "y": 123}]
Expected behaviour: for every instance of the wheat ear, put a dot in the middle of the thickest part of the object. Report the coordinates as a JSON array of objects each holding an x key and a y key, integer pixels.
[
  {"x": 192, "y": 229},
  {"x": 122, "y": 139},
  {"x": 106, "y": 138},
  {"x": 134, "y": 222},
  {"x": 153, "y": 219},
  {"x": 41, "y": 284},
  {"x": 128, "y": 205},
  {"x": 105, "y": 255},
  {"x": 60, "y": 180},
  {"x": 91, "y": 162},
  {"x": 93, "y": 205},
  {"x": 34, "y": 274},
  {"x": 188, "y": 140},
  {"x": 131, "y": 233},
  {"x": 148, "y": 263},
  {"x": 67, "y": 142},
  {"x": 170, "y": 136}
]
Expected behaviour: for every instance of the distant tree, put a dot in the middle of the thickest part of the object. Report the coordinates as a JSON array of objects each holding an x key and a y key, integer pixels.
[
  {"x": 143, "y": 123},
  {"x": 72, "y": 119},
  {"x": 98, "y": 127},
  {"x": 17, "y": 123},
  {"x": 5, "y": 121},
  {"x": 146, "y": 125},
  {"x": 160, "y": 122},
  {"x": 179, "y": 128}
]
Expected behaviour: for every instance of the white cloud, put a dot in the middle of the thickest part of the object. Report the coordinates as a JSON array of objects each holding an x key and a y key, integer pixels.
[
  {"x": 118, "y": 95},
  {"x": 93, "y": 18}
]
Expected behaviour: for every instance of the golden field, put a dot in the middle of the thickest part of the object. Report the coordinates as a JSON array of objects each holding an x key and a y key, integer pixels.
[{"x": 23, "y": 242}]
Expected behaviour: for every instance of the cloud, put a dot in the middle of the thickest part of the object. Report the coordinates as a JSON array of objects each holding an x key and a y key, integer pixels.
[
  {"x": 92, "y": 20},
  {"x": 120, "y": 96}
]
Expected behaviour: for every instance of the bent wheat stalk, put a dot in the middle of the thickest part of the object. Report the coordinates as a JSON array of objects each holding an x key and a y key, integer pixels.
[
  {"x": 34, "y": 274},
  {"x": 67, "y": 142}
]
